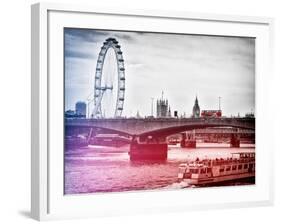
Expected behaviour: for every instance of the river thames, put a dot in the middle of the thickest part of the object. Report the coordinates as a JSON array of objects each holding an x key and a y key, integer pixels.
[{"x": 96, "y": 169}]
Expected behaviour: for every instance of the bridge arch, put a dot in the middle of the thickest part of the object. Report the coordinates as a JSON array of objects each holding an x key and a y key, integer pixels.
[
  {"x": 111, "y": 130},
  {"x": 164, "y": 132}
]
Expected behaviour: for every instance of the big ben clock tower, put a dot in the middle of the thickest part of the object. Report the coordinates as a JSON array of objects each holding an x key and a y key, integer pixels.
[{"x": 196, "y": 109}]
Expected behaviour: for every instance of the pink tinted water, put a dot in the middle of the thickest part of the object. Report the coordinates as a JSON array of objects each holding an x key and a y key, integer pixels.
[{"x": 105, "y": 169}]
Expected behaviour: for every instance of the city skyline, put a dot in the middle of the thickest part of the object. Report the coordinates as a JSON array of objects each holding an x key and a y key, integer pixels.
[{"x": 183, "y": 66}]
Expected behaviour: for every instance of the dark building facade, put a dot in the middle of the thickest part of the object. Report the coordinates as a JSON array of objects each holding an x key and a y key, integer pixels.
[
  {"x": 81, "y": 108},
  {"x": 163, "y": 109}
]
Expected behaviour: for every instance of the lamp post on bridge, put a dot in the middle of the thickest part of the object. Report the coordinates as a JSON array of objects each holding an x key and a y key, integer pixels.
[{"x": 152, "y": 100}]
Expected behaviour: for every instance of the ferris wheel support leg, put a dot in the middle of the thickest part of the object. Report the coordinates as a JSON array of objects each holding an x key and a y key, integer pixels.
[{"x": 90, "y": 135}]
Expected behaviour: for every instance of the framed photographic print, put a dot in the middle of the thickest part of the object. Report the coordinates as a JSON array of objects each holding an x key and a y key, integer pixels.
[{"x": 148, "y": 111}]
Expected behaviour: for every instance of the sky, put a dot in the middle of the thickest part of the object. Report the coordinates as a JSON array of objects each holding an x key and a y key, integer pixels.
[{"x": 183, "y": 66}]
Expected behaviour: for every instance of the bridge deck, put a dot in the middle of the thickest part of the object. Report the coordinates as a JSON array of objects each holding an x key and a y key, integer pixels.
[{"x": 161, "y": 126}]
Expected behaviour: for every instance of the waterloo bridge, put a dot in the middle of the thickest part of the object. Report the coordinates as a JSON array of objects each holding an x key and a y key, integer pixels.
[{"x": 148, "y": 135}]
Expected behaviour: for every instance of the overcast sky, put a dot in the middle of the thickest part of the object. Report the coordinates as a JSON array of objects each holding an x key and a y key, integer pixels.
[{"x": 182, "y": 66}]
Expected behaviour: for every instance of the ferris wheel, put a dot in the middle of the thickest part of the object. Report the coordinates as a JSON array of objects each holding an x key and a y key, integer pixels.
[{"x": 109, "y": 92}]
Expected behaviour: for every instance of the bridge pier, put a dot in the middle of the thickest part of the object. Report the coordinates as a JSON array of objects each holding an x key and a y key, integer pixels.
[
  {"x": 149, "y": 150},
  {"x": 234, "y": 141},
  {"x": 188, "y": 141}
]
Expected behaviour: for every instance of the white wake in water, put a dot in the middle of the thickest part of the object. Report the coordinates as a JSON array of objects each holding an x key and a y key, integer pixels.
[{"x": 177, "y": 185}]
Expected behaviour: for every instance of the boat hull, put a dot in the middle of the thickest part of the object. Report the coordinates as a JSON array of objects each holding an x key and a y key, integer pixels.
[{"x": 218, "y": 179}]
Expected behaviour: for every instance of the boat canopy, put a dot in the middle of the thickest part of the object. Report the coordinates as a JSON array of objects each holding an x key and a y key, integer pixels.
[{"x": 244, "y": 154}]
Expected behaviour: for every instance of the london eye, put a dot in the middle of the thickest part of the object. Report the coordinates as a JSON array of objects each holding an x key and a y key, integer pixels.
[{"x": 109, "y": 88}]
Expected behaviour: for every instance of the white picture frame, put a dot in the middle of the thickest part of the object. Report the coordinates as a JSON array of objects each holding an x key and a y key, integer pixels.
[{"x": 48, "y": 201}]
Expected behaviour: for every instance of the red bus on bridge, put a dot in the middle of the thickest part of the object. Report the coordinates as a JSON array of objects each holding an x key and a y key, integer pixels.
[{"x": 211, "y": 113}]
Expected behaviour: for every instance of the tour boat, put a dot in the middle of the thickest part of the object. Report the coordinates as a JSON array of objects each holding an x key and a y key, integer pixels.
[{"x": 208, "y": 171}]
